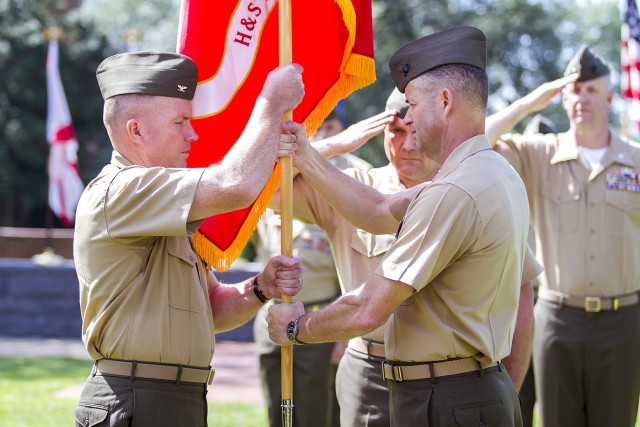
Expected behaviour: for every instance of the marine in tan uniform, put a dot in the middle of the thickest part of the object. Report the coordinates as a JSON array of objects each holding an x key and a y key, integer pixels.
[
  {"x": 584, "y": 195},
  {"x": 448, "y": 287},
  {"x": 150, "y": 306},
  {"x": 362, "y": 393}
]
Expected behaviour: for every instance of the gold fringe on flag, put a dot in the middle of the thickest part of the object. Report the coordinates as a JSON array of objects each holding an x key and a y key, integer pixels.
[
  {"x": 357, "y": 71},
  {"x": 222, "y": 260}
]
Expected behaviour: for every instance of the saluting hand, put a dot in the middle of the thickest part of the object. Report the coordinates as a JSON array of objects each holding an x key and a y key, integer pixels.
[
  {"x": 356, "y": 135},
  {"x": 540, "y": 97}
]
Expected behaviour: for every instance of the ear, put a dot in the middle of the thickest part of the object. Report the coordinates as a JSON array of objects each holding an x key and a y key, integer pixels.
[
  {"x": 610, "y": 94},
  {"x": 134, "y": 131},
  {"x": 447, "y": 101}
]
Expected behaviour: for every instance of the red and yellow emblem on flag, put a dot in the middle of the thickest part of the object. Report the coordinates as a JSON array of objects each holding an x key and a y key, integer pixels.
[{"x": 235, "y": 45}]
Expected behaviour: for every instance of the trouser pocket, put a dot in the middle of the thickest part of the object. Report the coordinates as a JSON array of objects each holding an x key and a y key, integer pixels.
[{"x": 91, "y": 415}]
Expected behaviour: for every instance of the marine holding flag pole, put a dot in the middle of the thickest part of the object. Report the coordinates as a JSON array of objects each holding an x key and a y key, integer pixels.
[{"x": 286, "y": 212}]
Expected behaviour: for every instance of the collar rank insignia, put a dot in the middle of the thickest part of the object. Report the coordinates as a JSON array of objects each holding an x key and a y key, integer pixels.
[
  {"x": 624, "y": 179},
  {"x": 182, "y": 88}
]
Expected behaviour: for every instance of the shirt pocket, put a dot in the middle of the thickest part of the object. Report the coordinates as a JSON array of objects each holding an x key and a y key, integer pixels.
[
  {"x": 563, "y": 204},
  {"x": 183, "y": 275},
  {"x": 623, "y": 213}
]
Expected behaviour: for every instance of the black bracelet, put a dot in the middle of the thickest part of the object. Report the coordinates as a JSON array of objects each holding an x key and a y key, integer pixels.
[{"x": 256, "y": 290}]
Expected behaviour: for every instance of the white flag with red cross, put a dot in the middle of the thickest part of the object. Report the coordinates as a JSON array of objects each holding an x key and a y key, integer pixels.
[{"x": 65, "y": 185}]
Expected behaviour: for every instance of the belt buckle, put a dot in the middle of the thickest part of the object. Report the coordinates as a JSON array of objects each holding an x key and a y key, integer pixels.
[
  {"x": 396, "y": 371},
  {"x": 212, "y": 372},
  {"x": 592, "y": 304}
]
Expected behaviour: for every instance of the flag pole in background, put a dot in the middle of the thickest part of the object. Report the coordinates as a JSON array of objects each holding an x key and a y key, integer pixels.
[
  {"x": 65, "y": 185},
  {"x": 630, "y": 68},
  {"x": 286, "y": 213}
]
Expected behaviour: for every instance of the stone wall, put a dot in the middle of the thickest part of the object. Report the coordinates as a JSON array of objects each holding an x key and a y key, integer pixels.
[{"x": 41, "y": 300}]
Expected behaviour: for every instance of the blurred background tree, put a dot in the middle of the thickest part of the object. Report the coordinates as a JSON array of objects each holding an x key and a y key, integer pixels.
[
  {"x": 529, "y": 42},
  {"x": 23, "y": 103}
]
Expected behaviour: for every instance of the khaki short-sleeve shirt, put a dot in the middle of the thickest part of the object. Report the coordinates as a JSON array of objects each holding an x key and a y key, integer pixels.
[
  {"x": 143, "y": 289},
  {"x": 461, "y": 246},
  {"x": 587, "y": 221}
]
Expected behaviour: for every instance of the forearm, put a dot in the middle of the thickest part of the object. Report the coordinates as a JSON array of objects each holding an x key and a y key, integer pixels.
[
  {"x": 348, "y": 317},
  {"x": 353, "y": 314},
  {"x": 233, "y": 305},
  {"x": 354, "y": 136},
  {"x": 537, "y": 100},
  {"x": 518, "y": 361},
  {"x": 237, "y": 180},
  {"x": 361, "y": 205},
  {"x": 504, "y": 120},
  {"x": 329, "y": 147},
  {"x": 251, "y": 160}
]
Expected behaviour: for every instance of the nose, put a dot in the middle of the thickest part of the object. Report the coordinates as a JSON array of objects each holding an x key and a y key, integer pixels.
[
  {"x": 408, "y": 117},
  {"x": 409, "y": 143},
  {"x": 582, "y": 95},
  {"x": 192, "y": 136}
]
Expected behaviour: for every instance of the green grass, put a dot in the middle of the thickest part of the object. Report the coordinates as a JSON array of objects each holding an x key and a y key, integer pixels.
[{"x": 28, "y": 386}]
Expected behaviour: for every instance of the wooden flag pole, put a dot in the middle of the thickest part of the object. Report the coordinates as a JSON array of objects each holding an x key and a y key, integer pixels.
[{"x": 286, "y": 212}]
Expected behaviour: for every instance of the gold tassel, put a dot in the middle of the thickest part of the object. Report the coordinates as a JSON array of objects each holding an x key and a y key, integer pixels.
[{"x": 222, "y": 260}]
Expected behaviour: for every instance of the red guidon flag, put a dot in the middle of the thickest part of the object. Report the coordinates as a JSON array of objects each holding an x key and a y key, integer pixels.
[{"x": 235, "y": 45}]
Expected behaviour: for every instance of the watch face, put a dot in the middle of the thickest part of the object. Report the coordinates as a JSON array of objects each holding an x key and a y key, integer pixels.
[
  {"x": 291, "y": 328},
  {"x": 292, "y": 331}
]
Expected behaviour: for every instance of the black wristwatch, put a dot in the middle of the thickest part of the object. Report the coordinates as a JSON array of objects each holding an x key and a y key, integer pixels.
[{"x": 292, "y": 331}]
